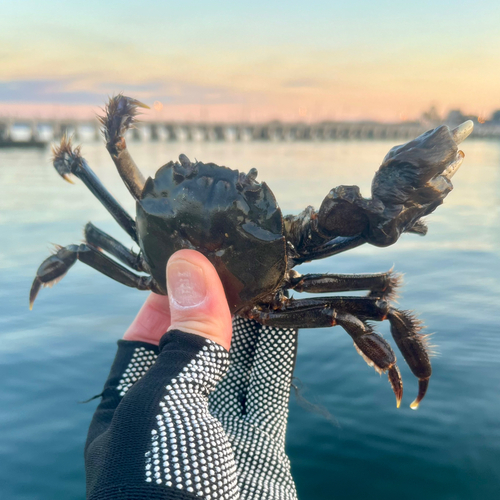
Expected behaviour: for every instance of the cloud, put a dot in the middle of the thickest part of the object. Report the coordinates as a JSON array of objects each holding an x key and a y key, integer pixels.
[
  {"x": 84, "y": 91},
  {"x": 44, "y": 91}
]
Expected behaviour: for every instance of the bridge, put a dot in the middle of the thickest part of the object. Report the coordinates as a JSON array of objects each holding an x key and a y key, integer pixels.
[{"x": 26, "y": 132}]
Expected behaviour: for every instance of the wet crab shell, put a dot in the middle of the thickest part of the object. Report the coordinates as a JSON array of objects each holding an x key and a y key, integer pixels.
[{"x": 233, "y": 220}]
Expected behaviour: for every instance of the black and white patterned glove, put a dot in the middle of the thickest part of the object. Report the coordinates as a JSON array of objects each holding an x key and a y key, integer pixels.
[
  {"x": 152, "y": 436},
  {"x": 251, "y": 403}
]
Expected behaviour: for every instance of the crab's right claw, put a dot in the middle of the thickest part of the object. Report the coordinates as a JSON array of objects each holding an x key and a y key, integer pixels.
[
  {"x": 53, "y": 269},
  {"x": 413, "y": 180}
]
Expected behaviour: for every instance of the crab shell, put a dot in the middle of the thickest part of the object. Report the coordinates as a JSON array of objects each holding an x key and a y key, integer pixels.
[{"x": 229, "y": 217}]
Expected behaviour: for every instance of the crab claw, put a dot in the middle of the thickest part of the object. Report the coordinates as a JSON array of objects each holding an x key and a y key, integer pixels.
[
  {"x": 53, "y": 269},
  {"x": 463, "y": 131},
  {"x": 413, "y": 180}
]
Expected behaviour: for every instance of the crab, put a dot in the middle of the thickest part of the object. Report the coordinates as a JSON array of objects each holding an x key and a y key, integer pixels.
[{"x": 235, "y": 221}]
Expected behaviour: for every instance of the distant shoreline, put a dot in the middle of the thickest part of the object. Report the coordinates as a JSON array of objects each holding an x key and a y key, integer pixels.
[{"x": 24, "y": 133}]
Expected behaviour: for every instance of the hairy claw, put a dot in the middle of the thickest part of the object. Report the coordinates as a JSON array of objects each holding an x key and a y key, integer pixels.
[{"x": 413, "y": 180}]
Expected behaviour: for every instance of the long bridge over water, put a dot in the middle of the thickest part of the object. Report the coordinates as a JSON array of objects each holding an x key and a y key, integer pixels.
[{"x": 18, "y": 131}]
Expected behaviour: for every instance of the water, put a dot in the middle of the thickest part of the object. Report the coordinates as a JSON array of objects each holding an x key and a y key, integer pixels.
[{"x": 59, "y": 354}]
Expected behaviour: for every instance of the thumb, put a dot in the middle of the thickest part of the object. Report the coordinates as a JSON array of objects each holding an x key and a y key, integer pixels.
[{"x": 197, "y": 300}]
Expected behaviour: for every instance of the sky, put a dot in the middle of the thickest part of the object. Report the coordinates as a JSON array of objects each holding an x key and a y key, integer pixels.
[{"x": 251, "y": 61}]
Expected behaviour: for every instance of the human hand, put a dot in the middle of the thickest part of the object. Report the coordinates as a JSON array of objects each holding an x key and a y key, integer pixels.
[{"x": 196, "y": 303}]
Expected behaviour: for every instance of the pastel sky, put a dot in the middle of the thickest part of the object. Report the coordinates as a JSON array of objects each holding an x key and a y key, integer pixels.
[{"x": 259, "y": 60}]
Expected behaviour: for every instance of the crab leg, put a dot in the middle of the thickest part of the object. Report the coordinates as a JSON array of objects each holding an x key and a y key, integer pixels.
[
  {"x": 324, "y": 312},
  {"x": 99, "y": 239},
  {"x": 54, "y": 268},
  {"x": 381, "y": 285},
  {"x": 362, "y": 307},
  {"x": 405, "y": 329},
  {"x": 373, "y": 348},
  {"x": 332, "y": 247},
  {"x": 69, "y": 162},
  {"x": 119, "y": 116}
]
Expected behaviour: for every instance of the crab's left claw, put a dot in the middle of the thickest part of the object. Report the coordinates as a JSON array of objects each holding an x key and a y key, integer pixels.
[{"x": 413, "y": 181}]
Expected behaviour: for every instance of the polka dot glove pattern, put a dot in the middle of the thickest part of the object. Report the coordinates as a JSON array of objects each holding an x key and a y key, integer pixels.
[
  {"x": 153, "y": 437},
  {"x": 251, "y": 403},
  {"x": 142, "y": 360}
]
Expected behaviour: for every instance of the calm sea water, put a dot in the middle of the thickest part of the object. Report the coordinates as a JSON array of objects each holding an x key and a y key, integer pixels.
[{"x": 60, "y": 353}]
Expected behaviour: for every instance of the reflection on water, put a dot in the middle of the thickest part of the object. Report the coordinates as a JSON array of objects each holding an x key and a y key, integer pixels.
[{"x": 59, "y": 353}]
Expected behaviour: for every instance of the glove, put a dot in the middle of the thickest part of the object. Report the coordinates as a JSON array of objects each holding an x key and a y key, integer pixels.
[
  {"x": 251, "y": 403},
  {"x": 152, "y": 435}
]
